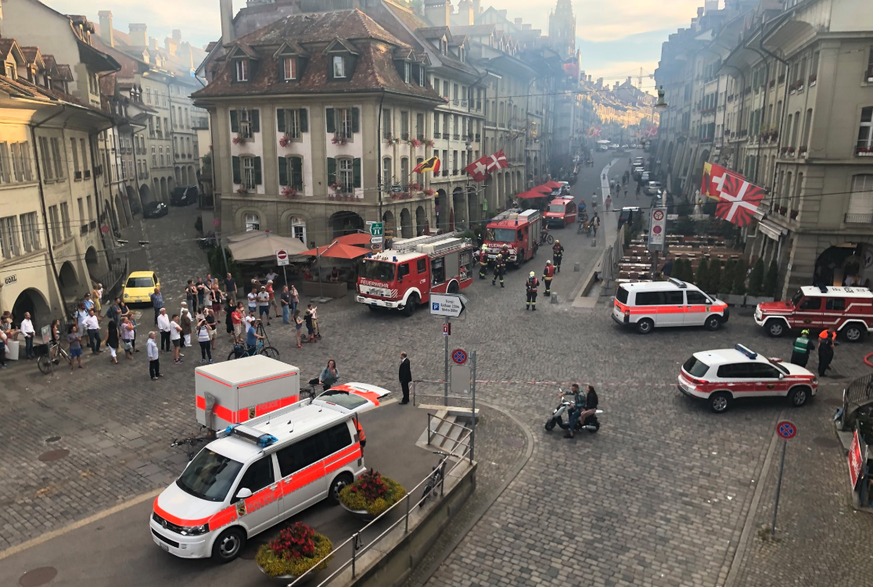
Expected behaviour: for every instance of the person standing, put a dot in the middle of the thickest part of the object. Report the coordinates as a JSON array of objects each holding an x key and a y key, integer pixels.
[
  {"x": 298, "y": 327},
  {"x": 210, "y": 320},
  {"x": 92, "y": 327},
  {"x": 154, "y": 357},
  {"x": 157, "y": 302},
  {"x": 405, "y": 377},
  {"x": 531, "y": 286},
  {"x": 557, "y": 255},
  {"x": 253, "y": 300},
  {"x": 112, "y": 341},
  {"x": 127, "y": 336},
  {"x": 272, "y": 293},
  {"x": 499, "y": 270},
  {"x": 164, "y": 328},
  {"x": 230, "y": 288},
  {"x": 826, "y": 342},
  {"x": 29, "y": 333},
  {"x": 329, "y": 375},
  {"x": 285, "y": 300},
  {"x": 802, "y": 347},
  {"x": 215, "y": 299},
  {"x": 548, "y": 275},
  {"x": 203, "y": 339},
  {"x": 236, "y": 318},
  {"x": 185, "y": 323},
  {"x": 176, "y": 339},
  {"x": 295, "y": 298},
  {"x": 201, "y": 292},
  {"x": 264, "y": 304},
  {"x": 228, "y": 317},
  {"x": 114, "y": 311},
  {"x": 75, "y": 339}
]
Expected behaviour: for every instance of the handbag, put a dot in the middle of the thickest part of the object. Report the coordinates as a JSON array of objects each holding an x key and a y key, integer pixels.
[{"x": 128, "y": 346}]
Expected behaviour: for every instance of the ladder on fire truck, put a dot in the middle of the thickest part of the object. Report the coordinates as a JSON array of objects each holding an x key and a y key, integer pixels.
[{"x": 441, "y": 243}]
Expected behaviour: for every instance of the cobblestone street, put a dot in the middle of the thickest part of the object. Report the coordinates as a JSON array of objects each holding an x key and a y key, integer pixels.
[{"x": 660, "y": 496}]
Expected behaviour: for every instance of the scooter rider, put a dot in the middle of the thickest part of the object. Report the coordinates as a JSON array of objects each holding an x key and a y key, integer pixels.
[
  {"x": 589, "y": 402},
  {"x": 578, "y": 399}
]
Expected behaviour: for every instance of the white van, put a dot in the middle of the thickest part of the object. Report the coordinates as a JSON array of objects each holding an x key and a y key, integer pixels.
[
  {"x": 259, "y": 473},
  {"x": 650, "y": 304}
]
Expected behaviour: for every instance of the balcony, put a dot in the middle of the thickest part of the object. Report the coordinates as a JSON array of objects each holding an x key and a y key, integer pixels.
[
  {"x": 864, "y": 151},
  {"x": 437, "y": 135},
  {"x": 864, "y": 218}
]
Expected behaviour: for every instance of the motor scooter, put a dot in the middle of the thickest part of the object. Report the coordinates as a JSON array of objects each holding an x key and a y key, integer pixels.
[{"x": 587, "y": 419}]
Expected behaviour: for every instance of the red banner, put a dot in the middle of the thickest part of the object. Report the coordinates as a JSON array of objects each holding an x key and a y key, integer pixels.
[
  {"x": 855, "y": 460},
  {"x": 738, "y": 199},
  {"x": 478, "y": 169}
]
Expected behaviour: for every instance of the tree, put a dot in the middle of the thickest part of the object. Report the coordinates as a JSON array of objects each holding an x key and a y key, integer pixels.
[
  {"x": 770, "y": 280},
  {"x": 756, "y": 278},
  {"x": 714, "y": 277},
  {"x": 727, "y": 277},
  {"x": 702, "y": 273},
  {"x": 739, "y": 282}
]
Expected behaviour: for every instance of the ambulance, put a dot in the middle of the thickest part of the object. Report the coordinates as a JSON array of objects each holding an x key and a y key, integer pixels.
[
  {"x": 647, "y": 305},
  {"x": 259, "y": 473}
]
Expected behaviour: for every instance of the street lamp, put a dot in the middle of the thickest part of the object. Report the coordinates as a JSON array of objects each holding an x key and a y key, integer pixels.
[{"x": 661, "y": 104}]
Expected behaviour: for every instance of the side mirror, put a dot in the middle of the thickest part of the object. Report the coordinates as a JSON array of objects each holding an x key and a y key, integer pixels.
[
  {"x": 243, "y": 493},
  {"x": 781, "y": 376}
]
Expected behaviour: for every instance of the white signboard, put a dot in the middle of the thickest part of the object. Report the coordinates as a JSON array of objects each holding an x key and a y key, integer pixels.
[
  {"x": 449, "y": 305},
  {"x": 281, "y": 258},
  {"x": 657, "y": 229}
]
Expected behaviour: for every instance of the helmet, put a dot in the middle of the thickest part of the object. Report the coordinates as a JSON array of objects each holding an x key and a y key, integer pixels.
[
  {"x": 557, "y": 242},
  {"x": 499, "y": 256},
  {"x": 549, "y": 262},
  {"x": 532, "y": 274},
  {"x": 804, "y": 332}
]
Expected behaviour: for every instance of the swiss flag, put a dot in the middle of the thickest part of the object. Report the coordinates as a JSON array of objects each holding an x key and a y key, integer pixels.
[
  {"x": 738, "y": 200},
  {"x": 497, "y": 161},
  {"x": 478, "y": 169}
]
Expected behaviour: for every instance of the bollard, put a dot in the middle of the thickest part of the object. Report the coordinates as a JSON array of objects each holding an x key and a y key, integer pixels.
[
  {"x": 576, "y": 267},
  {"x": 554, "y": 298}
]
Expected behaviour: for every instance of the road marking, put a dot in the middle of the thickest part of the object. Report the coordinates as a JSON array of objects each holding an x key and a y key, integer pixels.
[{"x": 76, "y": 525}]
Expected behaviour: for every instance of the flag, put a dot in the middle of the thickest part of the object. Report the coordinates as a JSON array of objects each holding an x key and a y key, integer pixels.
[
  {"x": 704, "y": 183},
  {"x": 432, "y": 164},
  {"x": 497, "y": 161},
  {"x": 478, "y": 169},
  {"x": 714, "y": 177},
  {"x": 738, "y": 200}
]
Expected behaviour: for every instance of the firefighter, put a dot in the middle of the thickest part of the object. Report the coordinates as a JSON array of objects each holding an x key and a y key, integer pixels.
[
  {"x": 484, "y": 263},
  {"x": 557, "y": 253},
  {"x": 499, "y": 270},
  {"x": 548, "y": 275},
  {"x": 531, "y": 287},
  {"x": 504, "y": 250}
]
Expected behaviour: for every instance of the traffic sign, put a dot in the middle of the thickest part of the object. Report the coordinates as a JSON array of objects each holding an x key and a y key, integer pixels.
[
  {"x": 447, "y": 329},
  {"x": 657, "y": 229},
  {"x": 459, "y": 356},
  {"x": 449, "y": 305},
  {"x": 376, "y": 229},
  {"x": 282, "y": 258},
  {"x": 786, "y": 429},
  {"x": 376, "y": 240},
  {"x": 216, "y": 222}
]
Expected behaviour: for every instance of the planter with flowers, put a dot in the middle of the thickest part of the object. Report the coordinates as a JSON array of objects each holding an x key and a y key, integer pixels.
[
  {"x": 339, "y": 140},
  {"x": 802, "y": 151},
  {"x": 239, "y": 140},
  {"x": 289, "y": 192},
  {"x": 864, "y": 151},
  {"x": 812, "y": 79},
  {"x": 297, "y": 549},
  {"x": 371, "y": 494},
  {"x": 429, "y": 142},
  {"x": 414, "y": 143},
  {"x": 241, "y": 190},
  {"x": 413, "y": 187},
  {"x": 428, "y": 192},
  {"x": 284, "y": 141}
]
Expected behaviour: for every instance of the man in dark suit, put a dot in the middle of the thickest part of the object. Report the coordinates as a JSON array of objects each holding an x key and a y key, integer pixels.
[{"x": 405, "y": 376}]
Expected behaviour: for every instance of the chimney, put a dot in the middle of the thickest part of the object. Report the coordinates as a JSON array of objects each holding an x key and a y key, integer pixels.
[
  {"x": 518, "y": 22},
  {"x": 138, "y": 34},
  {"x": 466, "y": 16},
  {"x": 106, "y": 27},
  {"x": 629, "y": 81},
  {"x": 153, "y": 43},
  {"x": 177, "y": 36},
  {"x": 227, "y": 33},
  {"x": 710, "y": 6},
  {"x": 171, "y": 46},
  {"x": 438, "y": 12}
]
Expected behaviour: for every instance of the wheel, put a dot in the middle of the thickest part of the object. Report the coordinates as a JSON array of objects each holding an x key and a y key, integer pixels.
[
  {"x": 453, "y": 288},
  {"x": 853, "y": 333},
  {"x": 712, "y": 323},
  {"x": 44, "y": 364},
  {"x": 228, "y": 545},
  {"x": 550, "y": 424},
  {"x": 798, "y": 396},
  {"x": 596, "y": 426},
  {"x": 775, "y": 328},
  {"x": 338, "y": 483},
  {"x": 550, "y": 239},
  {"x": 231, "y": 356},
  {"x": 645, "y": 326},
  {"x": 411, "y": 305},
  {"x": 719, "y": 402},
  {"x": 271, "y": 352}
]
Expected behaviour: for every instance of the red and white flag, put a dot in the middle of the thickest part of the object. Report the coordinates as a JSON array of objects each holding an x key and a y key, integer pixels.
[
  {"x": 497, "y": 161},
  {"x": 478, "y": 169},
  {"x": 738, "y": 199}
]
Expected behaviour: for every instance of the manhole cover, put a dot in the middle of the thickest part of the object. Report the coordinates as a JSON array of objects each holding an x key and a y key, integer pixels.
[
  {"x": 826, "y": 442},
  {"x": 38, "y": 577},
  {"x": 833, "y": 401},
  {"x": 51, "y": 439},
  {"x": 53, "y": 455}
]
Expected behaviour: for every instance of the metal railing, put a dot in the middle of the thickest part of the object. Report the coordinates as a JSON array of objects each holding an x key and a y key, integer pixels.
[
  {"x": 406, "y": 505},
  {"x": 856, "y": 395}
]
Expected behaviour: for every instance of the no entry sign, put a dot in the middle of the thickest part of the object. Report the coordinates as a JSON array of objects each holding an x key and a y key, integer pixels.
[{"x": 281, "y": 257}]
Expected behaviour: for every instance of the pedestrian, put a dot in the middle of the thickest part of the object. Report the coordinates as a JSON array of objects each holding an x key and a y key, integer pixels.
[
  {"x": 531, "y": 286},
  {"x": 483, "y": 264},
  {"x": 4, "y": 338},
  {"x": 191, "y": 295},
  {"x": 81, "y": 314},
  {"x": 295, "y": 298},
  {"x": 253, "y": 300},
  {"x": 127, "y": 335},
  {"x": 112, "y": 341},
  {"x": 272, "y": 293},
  {"x": 264, "y": 304},
  {"x": 309, "y": 326},
  {"x": 329, "y": 375},
  {"x": 272, "y": 275},
  {"x": 228, "y": 317},
  {"x": 88, "y": 301},
  {"x": 98, "y": 298},
  {"x": 557, "y": 255},
  {"x": 405, "y": 377},
  {"x": 285, "y": 299},
  {"x": 210, "y": 320},
  {"x": 157, "y": 302},
  {"x": 164, "y": 328},
  {"x": 114, "y": 311},
  {"x": 154, "y": 357},
  {"x": 298, "y": 327},
  {"x": 230, "y": 288},
  {"x": 236, "y": 318},
  {"x": 203, "y": 339},
  {"x": 826, "y": 342},
  {"x": 74, "y": 337},
  {"x": 92, "y": 327},
  {"x": 608, "y": 202},
  {"x": 252, "y": 336},
  {"x": 29, "y": 333},
  {"x": 201, "y": 292},
  {"x": 548, "y": 275},
  {"x": 499, "y": 270},
  {"x": 215, "y": 298},
  {"x": 176, "y": 339},
  {"x": 185, "y": 323},
  {"x": 208, "y": 282},
  {"x": 802, "y": 348}
]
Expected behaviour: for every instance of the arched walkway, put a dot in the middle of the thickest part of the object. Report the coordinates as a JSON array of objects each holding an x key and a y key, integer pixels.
[
  {"x": 342, "y": 223},
  {"x": 459, "y": 206},
  {"x": 420, "y": 221},
  {"x": 95, "y": 271},
  {"x": 406, "y": 230},
  {"x": 32, "y": 301},
  {"x": 388, "y": 220},
  {"x": 132, "y": 201},
  {"x": 179, "y": 176},
  {"x": 164, "y": 194},
  {"x": 171, "y": 185},
  {"x": 146, "y": 195},
  {"x": 71, "y": 287},
  {"x": 837, "y": 262},
  {"x": 156, "y": 189},
  {"x": 442, "y": 210}
]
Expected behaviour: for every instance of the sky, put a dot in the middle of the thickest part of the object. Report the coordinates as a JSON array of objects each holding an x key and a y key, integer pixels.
[{"x": 616, "y": 37}]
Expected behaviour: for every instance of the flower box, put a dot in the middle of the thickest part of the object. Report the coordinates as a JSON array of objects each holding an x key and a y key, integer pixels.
[
  {"x": 864, "y": 151},
  {"x": 428, "y": 192},
  {"x": 289, "y": 192},
  {"x": 802, "y": 151},
  {"x": 812, "y": 80},
  {"x": 339, "y": 140},
  {"x": 429, "y": 142},
  {"x": 242, "y": 191},
  {"x": 296, "y": 550},
  {"x": 239, "y": 140},
  {"x": 284, "y": 141},
  {"x": 414, "y": 143},
  {"x": 371, "y": 493}
]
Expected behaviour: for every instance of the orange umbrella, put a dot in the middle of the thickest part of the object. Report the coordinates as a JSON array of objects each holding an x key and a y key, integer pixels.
[
  {"x": 553, "y": 184},
  {"x": 337, "y": 250},
  {"x": 357, "y": 239}
]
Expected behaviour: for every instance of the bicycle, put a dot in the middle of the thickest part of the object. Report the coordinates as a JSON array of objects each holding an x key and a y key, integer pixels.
[
  {"x": 46, "y": 362},
  {"x": 436, "y": 478},
  {"x": 546, "y": 238},
  {"x": 240, "y": 351},
  {"x": 190, "y": 443}
]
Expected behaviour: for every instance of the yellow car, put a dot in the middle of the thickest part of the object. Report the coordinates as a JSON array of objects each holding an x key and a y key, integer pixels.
[{"x": 139, "y": 286}]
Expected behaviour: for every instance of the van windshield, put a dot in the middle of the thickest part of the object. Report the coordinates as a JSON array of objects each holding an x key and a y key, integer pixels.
[
  {"x": 377, "y": 270},
  {"x": 209, "y": 476},
  {"x": 343, "y": 399},
  {"x": 556, "y": 207}
]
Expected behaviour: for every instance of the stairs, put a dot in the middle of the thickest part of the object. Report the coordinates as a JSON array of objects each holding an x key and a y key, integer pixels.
[{"x": 445, "y": 432}]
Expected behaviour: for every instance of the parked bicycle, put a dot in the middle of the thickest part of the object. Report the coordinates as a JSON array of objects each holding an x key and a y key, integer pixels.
[
  {"x": 239, "y": 351},
  {"x": 191, "y": 444},
  {"x": 47, "y": 362},
  {"x": 546, "y": 238},
  {"x": 436, "y": 478}
]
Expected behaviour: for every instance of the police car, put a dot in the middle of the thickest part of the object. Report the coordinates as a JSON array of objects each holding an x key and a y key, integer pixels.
[{"x": 724, "y": 375}]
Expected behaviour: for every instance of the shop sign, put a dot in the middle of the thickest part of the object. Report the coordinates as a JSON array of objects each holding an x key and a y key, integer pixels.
[{"x": 11, "y": 279}]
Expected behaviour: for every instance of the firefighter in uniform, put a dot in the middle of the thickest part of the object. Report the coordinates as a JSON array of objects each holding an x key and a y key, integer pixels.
[
  {"x": 557, "y": 253},
  {"x": 802, "y": 348},
  {"x": 484, "y": 263},
  {"x": 531, "y": 287},
  {"x": 504, "y": 250},
  {"x": 499, "y": 270},
  {"x": 548, "y": 275}
]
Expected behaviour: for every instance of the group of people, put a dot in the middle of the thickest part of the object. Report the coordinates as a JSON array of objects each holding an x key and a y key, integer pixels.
[
  {"x": 803, "y": 347},
  {"x": 9, "y": 333},
  {"x": 532, "y": 284}
]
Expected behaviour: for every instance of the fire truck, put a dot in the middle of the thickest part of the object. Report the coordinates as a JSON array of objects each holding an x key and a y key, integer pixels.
[
  {"x": 404, "y": 276},
  {"x": 518, "y": 231}
]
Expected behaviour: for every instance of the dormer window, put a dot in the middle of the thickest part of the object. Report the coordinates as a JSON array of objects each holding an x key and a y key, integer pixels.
[
  {"x": 461, "y": 55},
  {"x": 10, "y": 71},
  {"x": 242, "y": 70},
  {"x": 422, "y": 76},
  {"x": 407, "y": 70},
  {"x": 339, "y": 67},
  {"x": 289, "y": 68},
  {"x": 444, "y": 46}
]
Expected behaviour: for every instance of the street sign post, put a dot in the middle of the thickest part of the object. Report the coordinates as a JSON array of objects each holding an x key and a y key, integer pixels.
[
  {"x": 459, "y": 356},
  {"x": 448, "y": 305},
  {"x": 281, "y": 258},
  {"x": 786, "y": 430},
  {"x": 657, "y": 229},
  {"x": 376, "y": 229}
]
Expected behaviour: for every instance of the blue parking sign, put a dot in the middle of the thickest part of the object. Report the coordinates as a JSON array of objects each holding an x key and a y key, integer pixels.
[{"x": 435, "y": 306}]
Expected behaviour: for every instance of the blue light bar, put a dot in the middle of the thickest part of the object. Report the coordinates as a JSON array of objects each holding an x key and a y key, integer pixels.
[
  {"x": 251, "y": 434},
  {"x": 748, "y": 352}
]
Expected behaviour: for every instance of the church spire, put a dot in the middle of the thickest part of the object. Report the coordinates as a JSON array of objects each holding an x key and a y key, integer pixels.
[{"x": 562, "y": 29}]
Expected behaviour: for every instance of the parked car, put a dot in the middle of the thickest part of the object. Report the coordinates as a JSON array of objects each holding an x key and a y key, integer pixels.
[
  {"x": 183, "y": 196},
  {"x": 644, "y": 177},
  {"x": 138, "y": 287},
  {"x": 653, "y": 187},
  {"x": 155, "y": 210},
  {"x": 638, "y": 171}
]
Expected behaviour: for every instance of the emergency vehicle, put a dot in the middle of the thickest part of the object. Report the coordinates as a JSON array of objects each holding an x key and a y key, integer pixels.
[
  {"x": 257, "y": 474},
  {"x": 404, "y": 276},
  {"x": 649, "y": 304},
  {"x": 561, "y": 212},
  {"x": 848, "y": 309},
  {"x": 518, "y": 231},
  {"x": 724, "y": 375}
]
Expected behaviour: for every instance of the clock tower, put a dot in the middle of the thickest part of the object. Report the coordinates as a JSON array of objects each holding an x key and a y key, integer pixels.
[{"x": 562, "y": 29}]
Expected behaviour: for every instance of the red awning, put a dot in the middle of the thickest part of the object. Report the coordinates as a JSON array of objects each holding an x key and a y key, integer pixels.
[
  {"x": 357, "y": 239},
  {"x": 553, "y": 184},
  {"x": 531, "y": 195},
  {"x": 542, "y": 189}
]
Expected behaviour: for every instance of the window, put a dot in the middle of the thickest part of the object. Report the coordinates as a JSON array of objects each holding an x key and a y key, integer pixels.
[
  {"x": 419, "y": 126},
  {"x": 45, "y": 156},
  {"x": 289, "y": 68},
  {"x": 404, "y": 125},
  {"x": 835, "y": 304},
  {"x": 293, "y": 122},
  {"x": 21, "y": 161},
  {"x": 259, "y": 475},
  {"x": 10, "y": 71},
  {"x": 65, "y": 220},
  {"x": 29, "y": 232},
  {"x": 339, "y": 67},
  {"x": 869, "y": 73},
  {"x": 88, "y": 206},
  {"x": 5, "y": 166},
  {"x": 386, "y": 123},
  {"x": 345, "y": 173},
  {"x": 9, "y": 237},
  {"x": 736, "y": 371},
  {"x": 407, "y": 71},
  {"x": 242, "y": 70},
  {"x": 403, "y": 271},
  {"x": 291, "y": 172},
  {"x": 298, "y": 229},
  {"x": 445, "y": 89},
  {"x": 75, "y": 151},
  {"x": 154, "y": 157},
  {"x": 248, "y": 172},
  {"x": 54, "y": 222},
  {"x": 422, "y": 77},
  {"x": 57, "y": 158},
  {"x": 438, "y": 270},
  {"x": 650, "y": 298},
  {"x": 436, "y": 125},
  {"x": 865, "y": 136},
  {"x": 421, "y": 266},
  {"x": 387, "y": 173},
  {"x": 861, "y": 200},
  {"x": 810, "y": 304},
  {"x": 404, "y": 170},
  {"x": 253, "y": 222}
]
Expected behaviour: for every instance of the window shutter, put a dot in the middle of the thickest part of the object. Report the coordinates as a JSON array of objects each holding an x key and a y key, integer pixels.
[
  {"x": 357, "y": 172},
  {"x": 331, "y": 170},
  {"x": 296, "y": 173},
  {"x": 236, "y": 173},
  {"x": 280, "y": 119},
  {"x": 355, "y": 121},
  {"x": 331, "y": 123},
  {"x": 304, "y": 120},
  {"x": 257, "y": 171},
  {"x": 283, "y": 171},
  {"x": 234, "y": 121},
  {"x": 256, "y": 121}
]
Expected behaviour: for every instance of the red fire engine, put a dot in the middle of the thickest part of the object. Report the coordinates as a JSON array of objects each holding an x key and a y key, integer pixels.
[
  {"x": 518, "y": 231},
  {"x": 404, "y": 276}
]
